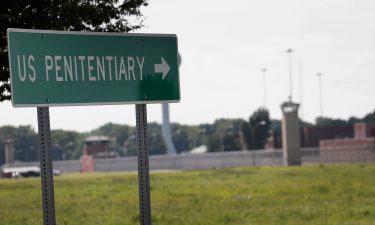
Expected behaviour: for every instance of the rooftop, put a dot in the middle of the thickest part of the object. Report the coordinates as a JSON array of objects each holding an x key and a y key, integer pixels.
[{"x": 97, "y": 138}]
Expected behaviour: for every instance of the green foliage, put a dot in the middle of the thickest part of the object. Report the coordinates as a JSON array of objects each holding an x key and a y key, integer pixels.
[
  {"x": 369, "y": 118},
  {"x": 124, "y": 141},
  {"x": 353, "y": 120},
  {"x": 308, "y": 195},
  {"x": 326, "y": 121},
  {"x": 224, "y": 135},
  {"x": 25, "y": 142},
  {"x": 69, "y": 144},
  {"x": 276, "y": 124},
  {"x": 180, "y": 137},
  {"x": 66, "y": 144},
  {"x": 257, "y": 130},
  {"x": 78, "y": 15},
  {"x": 155, "y": 139},
  {"x": 123, "y": 138}
]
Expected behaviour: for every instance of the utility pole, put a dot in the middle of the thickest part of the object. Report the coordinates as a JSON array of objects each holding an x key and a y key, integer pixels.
[
  {"x": 264, "y": 70},
  {"x": 290, "y": 51},
  {"x": 300, "y": 89},
  {"x": 319, "y": 75}
]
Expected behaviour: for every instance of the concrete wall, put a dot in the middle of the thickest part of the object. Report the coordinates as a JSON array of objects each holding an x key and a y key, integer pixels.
[
  {"x": 348, "y": 155},
  {"x": 193, "y": 161},
  {"x": 342, "y": 144},
  {"x": 219, "y": 160},
  {"x": 68, "y": 166},
  {"x": 205, "y": 161}
]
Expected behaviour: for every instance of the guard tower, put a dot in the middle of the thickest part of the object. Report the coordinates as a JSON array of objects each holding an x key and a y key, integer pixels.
[
  {"x": 9, "y": 152},
  {"x": 291, "y": 134},
  {"x": 98, "y": 147}
]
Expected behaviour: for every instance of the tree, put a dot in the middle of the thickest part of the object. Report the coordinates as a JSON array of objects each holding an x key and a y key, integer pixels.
[
  {"x": 352, "y": 120},
  {"x": 187, "y": 138},
  {"x": 155, "y": 139},
  {"x": 25, "y": 142},
  {"x": 180, "y": 137},
  {"x": 370, "y": 117},
  {"x": 257, "y": 130},
  {"x": 72, "y": 15},
  {"x": 66, "y": 144},
  {"x": 224, "y": 135},
  {"x": 326, "y": 121},
  {"x": 123, "y": 137}
]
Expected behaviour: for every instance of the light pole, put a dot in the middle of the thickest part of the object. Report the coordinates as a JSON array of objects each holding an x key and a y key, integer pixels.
[
  {"x": 127, "y": 142},
  {"x": 264, "y": 70},
  {"x": 319, "y": 75},
  {"x": 222, "y": 141},
  {"x": 300, "y": 89},
  {"x": 290, "y": 51}
]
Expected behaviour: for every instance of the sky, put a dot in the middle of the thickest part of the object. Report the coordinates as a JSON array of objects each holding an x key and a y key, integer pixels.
[{"x": 224, "y": 46}]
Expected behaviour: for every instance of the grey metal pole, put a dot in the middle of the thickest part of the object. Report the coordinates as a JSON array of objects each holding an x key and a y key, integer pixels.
[
  {"x": 143, "y": 165},
  {"x": 221, "y": 142},
  {"x": 300, "y": 89},
  {"x": 264, "y": 70},
  {"x": 320, "y": 93},
  {"x": 290, "y": 51},
  {"x": 253, "y": 138},
  {"x": 46, "y": 167}
]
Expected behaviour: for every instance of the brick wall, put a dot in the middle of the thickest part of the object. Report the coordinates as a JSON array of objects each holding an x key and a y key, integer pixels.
[
  {"x": 347, "y": 143},
  {"x": 312, "y": 135}
]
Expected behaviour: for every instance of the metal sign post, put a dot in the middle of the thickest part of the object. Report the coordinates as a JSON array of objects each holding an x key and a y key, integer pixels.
[
  {"x": 46, "y": 169},
  {"x": 143, "y": 166},
  {"x": 96, "y": 68}
]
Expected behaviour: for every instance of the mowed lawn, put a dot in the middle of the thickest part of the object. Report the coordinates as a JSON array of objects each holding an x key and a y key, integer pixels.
[{"x": 321, "y": 194}]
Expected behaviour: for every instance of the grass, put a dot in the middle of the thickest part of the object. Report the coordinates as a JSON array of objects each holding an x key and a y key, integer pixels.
[{"x": 334, "y": 194}]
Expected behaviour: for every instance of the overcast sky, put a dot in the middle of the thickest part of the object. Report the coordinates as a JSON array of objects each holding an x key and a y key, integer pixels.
[{"x": 225, "y": 44}]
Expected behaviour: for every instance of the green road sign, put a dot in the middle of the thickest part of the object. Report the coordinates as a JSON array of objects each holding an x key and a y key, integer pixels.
[{"x": 50, "y": 68}]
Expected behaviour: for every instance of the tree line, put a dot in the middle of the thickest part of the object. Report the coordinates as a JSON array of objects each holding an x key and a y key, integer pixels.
[{"x": 222, "y": 135}]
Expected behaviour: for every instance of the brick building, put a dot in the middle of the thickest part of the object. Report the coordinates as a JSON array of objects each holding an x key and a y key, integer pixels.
[
  {"x": 328, "y": 136},
  {"x": 364, "y": 136},
  {"x": 98, "y": 147},
  {"x": 310, "y": 136}
]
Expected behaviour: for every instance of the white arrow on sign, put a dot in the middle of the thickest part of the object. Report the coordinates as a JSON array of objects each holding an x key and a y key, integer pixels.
[{"x": 162, "y": 68}]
